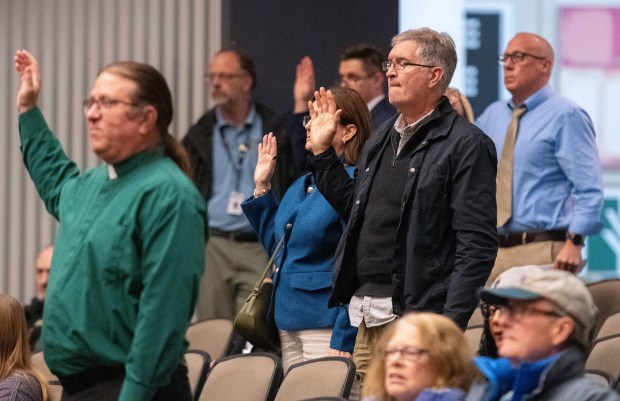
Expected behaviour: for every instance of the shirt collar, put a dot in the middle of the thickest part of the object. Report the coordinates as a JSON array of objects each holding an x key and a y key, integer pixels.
[
  {"x": 223, "y": 122},
  {"x": 116, "y": 170},
  {"x": 401, "y": 126},
  {"x": 375, "y": 101},
  {"x": 536, "y": 99}
]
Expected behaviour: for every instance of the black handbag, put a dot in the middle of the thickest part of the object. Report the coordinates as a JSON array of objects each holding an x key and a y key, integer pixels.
[{"x": 252, "y": 321}]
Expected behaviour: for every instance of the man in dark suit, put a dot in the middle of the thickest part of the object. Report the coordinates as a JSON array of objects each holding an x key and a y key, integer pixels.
[{"x": 360, "y": 70}]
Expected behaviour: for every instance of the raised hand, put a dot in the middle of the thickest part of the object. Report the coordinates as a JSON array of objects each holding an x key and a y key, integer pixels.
[
  {"x": 304, "y": 85},
  {"x": 267, "y": 152},
  {"x": 28, "y": 69},
  {"x": 325, "y": 118}
]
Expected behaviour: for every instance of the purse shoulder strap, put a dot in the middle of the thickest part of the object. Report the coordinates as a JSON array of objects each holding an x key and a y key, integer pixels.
[{"x": 272, "y": 259}]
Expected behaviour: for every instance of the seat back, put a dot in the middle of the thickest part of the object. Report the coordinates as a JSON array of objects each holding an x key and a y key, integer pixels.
[
  {"x": 212, "y": 336},
  {"x": 54, "y": 391},
  {"x": 39, "y": 364},
  {"x": 473, "y": 335},
  {"x": 610, "y": 327},
  {"x": 476, "y": 318},
  {"x": 331, "y": 376},
  {"x": 326, "y": 399},
  {"x": 605, "y": 357},
  {"x": 245, "y": 377},
  {"x": 197, "y": 362},
  {"x": 598, "y": 376},
  {"x": 606, "y": 296}
]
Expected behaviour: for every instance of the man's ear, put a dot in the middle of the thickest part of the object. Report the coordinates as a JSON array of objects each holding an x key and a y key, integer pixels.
[
  {"x": 148, "y": 119},
  {"x": 247, "y": 83},
  {"x": 547, "y": 67},
  {"x": 378, "y": 78},
  {"x": 562, "y": 329},
  {"x": 436, "y": 76}
]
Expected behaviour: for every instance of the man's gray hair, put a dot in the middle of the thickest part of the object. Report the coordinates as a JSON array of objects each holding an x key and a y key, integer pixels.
[{"x": 435, "y": 49}]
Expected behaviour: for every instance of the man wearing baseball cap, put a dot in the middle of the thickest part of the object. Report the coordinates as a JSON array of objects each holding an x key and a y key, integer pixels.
[{"x": 546, "y": 317}]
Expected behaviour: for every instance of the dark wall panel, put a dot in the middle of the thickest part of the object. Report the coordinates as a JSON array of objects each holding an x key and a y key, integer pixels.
[{"x": 278, "y": 34}]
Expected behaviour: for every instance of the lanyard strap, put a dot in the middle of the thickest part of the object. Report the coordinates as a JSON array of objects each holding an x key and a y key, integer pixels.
[{"x": 242, "y": 152}]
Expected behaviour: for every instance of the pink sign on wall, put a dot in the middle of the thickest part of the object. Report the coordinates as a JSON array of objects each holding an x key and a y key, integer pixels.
[
  {"x": 590, "y": 37},
  {"x": 589, "y": 61}
]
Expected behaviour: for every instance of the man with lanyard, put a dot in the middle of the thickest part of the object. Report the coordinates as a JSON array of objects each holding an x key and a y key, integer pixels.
[{"x": 222, "y": 146}]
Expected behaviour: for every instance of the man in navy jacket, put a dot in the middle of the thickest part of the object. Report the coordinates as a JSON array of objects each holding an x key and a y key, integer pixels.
[{"x": 421, "y": 212}]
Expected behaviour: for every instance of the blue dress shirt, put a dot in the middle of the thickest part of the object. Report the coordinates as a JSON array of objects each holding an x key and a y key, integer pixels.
[
  {"x": 557, "y": 181},
  {"x": 228, "y": 175}
]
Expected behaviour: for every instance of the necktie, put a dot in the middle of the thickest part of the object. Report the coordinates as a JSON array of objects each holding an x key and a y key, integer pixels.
[{"x": 505, "y": 169}]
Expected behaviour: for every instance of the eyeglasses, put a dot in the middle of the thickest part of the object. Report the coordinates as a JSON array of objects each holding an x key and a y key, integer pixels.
[
  {"x": 401, "y": 65},
  {"x": 103, "y": 103},
  {"x": 352, "y": 78},
  {"x": 410, "y": 353},
  {"x": 223, "y": 76},
  {"x": 517, "y": 311},
  {"x": 516, "y": 57}
]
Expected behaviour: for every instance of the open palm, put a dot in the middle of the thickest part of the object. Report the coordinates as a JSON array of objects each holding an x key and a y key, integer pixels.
[
  {"x": 28, "y": 69},
  {"x": 266, "y": 164},
  {"x": 324, "y": 121}
]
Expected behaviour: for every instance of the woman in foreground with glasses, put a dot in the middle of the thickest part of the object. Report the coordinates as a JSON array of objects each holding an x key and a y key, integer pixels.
[
  {"x": 18, "y": 380},
  {"x": 420, "y": 357},
  {"x": 312, "y": 229}
]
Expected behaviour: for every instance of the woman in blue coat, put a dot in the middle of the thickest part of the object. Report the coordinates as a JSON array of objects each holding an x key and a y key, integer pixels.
[{"x": 311, "y": 229}]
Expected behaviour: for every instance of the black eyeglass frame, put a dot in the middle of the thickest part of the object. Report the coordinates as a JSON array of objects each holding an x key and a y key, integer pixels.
[{"x": 516, "y": 57}]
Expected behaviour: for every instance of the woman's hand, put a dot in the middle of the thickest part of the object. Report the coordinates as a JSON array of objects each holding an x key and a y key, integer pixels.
[
  {"x": 325, "y": 119},
  {"x": 28, "y": 69},
  {"x": 267, "y": 152}
]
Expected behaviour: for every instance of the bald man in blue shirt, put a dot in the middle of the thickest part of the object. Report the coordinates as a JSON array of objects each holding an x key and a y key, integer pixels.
[{"x": 557, "y": 190}]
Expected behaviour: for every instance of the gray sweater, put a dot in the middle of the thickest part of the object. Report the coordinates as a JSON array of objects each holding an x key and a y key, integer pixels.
[{"x": 20, "y": 386}]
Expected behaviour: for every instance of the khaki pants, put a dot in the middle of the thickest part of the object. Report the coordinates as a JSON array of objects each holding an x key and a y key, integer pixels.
[
  {"x": 535, "y": 253},
  {"x": 365, "y": 342},
  {"x": 231, "y": 271}
]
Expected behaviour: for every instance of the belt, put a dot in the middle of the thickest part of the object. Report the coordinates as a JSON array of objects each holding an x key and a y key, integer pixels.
[
  {"x": 80, "y": 381},
  {"x": 237, "y": 236},
  {"x": 514, "y": 239}
]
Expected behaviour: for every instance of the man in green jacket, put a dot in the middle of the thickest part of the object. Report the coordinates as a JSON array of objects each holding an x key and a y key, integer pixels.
[{"x": 129, "y": 251}]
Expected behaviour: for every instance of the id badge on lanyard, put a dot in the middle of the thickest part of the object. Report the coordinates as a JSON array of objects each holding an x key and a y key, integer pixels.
[{"x": 236, "y": 197}]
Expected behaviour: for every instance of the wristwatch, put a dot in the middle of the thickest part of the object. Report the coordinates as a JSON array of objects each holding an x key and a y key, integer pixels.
[{"x": 576, "y": 239}]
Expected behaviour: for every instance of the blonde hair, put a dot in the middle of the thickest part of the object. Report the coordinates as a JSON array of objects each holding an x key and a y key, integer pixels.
[
  {"x": 449, "y": 356},
  {"x": 14, "y": 347}
]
